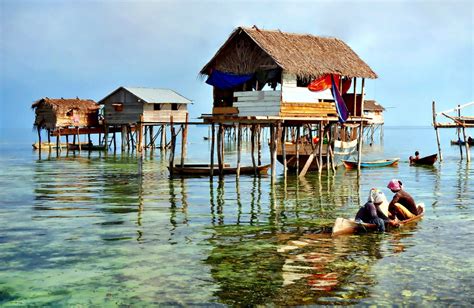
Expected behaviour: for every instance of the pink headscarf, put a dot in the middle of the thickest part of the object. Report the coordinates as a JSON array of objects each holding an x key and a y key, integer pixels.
[{"x": 394, "y": 185}]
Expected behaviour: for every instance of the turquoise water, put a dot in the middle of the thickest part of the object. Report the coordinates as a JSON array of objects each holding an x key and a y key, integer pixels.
[{"x": 94, "y": 229}]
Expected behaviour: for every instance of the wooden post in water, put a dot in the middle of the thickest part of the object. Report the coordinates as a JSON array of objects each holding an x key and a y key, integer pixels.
[
  {"x": 436, "y": 130},
  {"x": 213, "y": 140},
  {"x": 466, "y": 141},
  {"x": 173, "y": 146},
  {"x": 259, "y": 144},
  {"x": 184, "y": 140},
  {"x": 283, "y": 150},
  {"x": 355, "y": 96},
  {"x": 58, "y": 141},
  {"x": 220, "y": 154},
  {"x": 275, "y": 129},
  {"x": 106, "y": 137},
  {"x": 459, "y": 132},
  {"x": 252, "y": 147},
  {"x": 361, "y": 128},
  {"x": 321, "y": 141},
  {"x": 152, "y": 137},
  {"x": 38, "y": 129},
  {"x": 49, "y": 139},
  {"x": 163, "y": 137},
  {"x": 78, "y": 139},
  {"x": 297, "y": 149},
  {"x": 123, "y": 137},
  {"x": 239, "y": 148}
]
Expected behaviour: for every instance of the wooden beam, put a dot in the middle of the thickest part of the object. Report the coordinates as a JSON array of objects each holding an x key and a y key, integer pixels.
[{"x": 436, "y": 130}]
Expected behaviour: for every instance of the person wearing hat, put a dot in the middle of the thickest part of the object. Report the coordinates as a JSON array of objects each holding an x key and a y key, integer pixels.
[
  {"x": 403, "y": 205},
  {"x": 374, "y": 211}
]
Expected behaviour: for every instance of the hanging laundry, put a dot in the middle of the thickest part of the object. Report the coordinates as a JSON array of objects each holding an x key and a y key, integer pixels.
[
  {"x": 321, "y": 84},
  {"x": 346, "y": 84},
  {"x": 341, "y": 107},
  {"x": 223, "y": 80}
]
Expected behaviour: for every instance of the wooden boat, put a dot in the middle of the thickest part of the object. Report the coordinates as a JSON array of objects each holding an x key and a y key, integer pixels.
[
  {"x": 206, "y": 170},
  {"x": 350, "y": 164},
  {"x": 85, "y": 147},
  {"x": 341, "y": 149},
  {"x": 427, "y": 160},
  {"x": 462, "y": 142},
  {"x": 52, "y": 145},
  {"x": 350, "y": 226}
]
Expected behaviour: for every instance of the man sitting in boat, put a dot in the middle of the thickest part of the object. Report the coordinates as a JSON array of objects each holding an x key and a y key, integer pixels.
[
  {"x": 416, "y": 157},
  {"x": 375, "y": 211},
  {"x": 403, "y": 205}
]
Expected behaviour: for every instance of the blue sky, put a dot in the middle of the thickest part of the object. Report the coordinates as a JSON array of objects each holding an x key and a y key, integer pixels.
[{"x": 421, "y": 50}]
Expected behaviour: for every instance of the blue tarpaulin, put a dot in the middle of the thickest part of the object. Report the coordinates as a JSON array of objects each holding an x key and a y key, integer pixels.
[
  {"x": 223, "y": 80},
  {"x": 341, "y": 107}
]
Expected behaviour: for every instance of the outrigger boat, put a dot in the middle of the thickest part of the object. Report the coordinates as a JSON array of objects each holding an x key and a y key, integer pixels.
[
  {"x": 350, "y": 226},
  {"x": 350, "y": 164},
  {"x": 205, "y": 170},
  {"x": 427, "y": 160}
]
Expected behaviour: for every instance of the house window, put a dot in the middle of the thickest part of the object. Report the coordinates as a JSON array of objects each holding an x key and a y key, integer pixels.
[
  {"x": 118, "y": 107},
  {"x": 174, "y": 106},
  {"x": 302, "y": 82},
  {"x": 156, "y": 106}
]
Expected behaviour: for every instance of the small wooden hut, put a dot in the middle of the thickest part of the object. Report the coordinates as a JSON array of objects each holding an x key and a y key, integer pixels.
[
  {"x": 53, "y": 113},
  {"x": 127, "y": 105},
  {"x": 284, "y": 81},
  {"x": 130, "y": 108},
  {"x": 374, "y": 111}
]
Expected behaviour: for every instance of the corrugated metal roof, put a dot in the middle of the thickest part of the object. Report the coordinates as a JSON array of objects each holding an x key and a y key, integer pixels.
[{"x": 158, "y": 96}]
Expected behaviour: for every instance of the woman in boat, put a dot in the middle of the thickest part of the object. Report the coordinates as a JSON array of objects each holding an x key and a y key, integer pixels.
[
  {"x": 373, "y": 211},
  {"x": 403, "y": 205}
]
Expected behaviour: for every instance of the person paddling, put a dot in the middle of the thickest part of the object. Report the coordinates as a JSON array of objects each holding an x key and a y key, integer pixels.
[
  {"x": 372, "y": 212},
  {"x": 403, "y": 205}
]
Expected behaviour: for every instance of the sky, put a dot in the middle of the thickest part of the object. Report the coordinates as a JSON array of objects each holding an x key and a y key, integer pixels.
[{"x": 421, "y": 50}]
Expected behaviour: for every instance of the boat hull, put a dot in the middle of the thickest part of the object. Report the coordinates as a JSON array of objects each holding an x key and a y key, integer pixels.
[
  {"x": 349, "y": 226},
  {"x": 206, "y": 170},
  {"x": 371, "y": 164},
  {"x": 427, "y": 161}
]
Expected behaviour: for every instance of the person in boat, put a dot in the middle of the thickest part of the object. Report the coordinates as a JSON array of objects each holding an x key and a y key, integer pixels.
[
  {"x": 375, "y": 211},
  {"x": 416, "y": 157},
  {"x": 403, "y": 205}
]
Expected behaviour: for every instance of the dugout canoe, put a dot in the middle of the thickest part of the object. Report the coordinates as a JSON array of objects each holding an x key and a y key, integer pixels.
[
  {"x": 206, "y": 170},
  {"x": 350, "y": 226},
  {"x": 350, "y": 164},
  {"x": 427, "y": 160}
]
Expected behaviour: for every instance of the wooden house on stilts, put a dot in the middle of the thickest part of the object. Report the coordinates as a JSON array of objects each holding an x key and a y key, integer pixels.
[
  {"x": 288, "y": 82},
  {"x": 138, "y": 110},
  {"x": 65, "y": 117}
]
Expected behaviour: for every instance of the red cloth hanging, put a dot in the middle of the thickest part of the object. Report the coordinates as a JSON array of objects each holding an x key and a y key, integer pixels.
[
  {"x": 323, "y": 83},
  {"x": 346, "y": 85}
]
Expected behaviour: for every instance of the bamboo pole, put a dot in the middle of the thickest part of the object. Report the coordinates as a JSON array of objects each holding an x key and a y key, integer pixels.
[
  {"x": 436, "y": 130},
  {"x": 361, "y": 128},
  {"x": 239, "y": 148},
  {"x": 213, "y": 140},
  {"x": 184, "y": 140}
]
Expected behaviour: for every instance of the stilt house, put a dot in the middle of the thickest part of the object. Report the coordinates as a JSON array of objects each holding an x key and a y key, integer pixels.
[
  {"x": 127, "y": 105},
  {"x": 53, "y": 113},
  {"x": 374, "y": 112},
  {"x": 284, "y": 75}
]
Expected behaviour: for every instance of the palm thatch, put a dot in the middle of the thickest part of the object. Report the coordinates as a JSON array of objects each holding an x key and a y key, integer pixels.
[
  {"x": 307, "y": 56},
  {"x": 52, "y": 113}
]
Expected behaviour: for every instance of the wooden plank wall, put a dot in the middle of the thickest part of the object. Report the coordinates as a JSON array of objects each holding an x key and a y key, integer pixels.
[
  {"x": 132, "y": 109},
  {"x": 258, "y": 103}
]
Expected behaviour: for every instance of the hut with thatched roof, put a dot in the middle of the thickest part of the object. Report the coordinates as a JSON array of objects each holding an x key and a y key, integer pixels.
[
  {"x": 287, "y": 80},
  {"x": 253, "y": 60},
  {"x": 54, "y": 113}
]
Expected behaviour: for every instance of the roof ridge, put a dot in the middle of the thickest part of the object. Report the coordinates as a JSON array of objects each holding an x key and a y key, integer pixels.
[{"x": 290, "y": 33}]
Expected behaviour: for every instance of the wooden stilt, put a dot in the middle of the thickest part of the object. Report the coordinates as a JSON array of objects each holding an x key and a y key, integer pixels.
[
  {"x": 355, "y": 96},
  {"x": 163, "y": 137},
  {"x": 275, "y": 128},
  {"x": 58, "y": 141},
  {"x": 78, "y": 139},
  {"x": 361, "y": 128},
  {"x": 114, "y": 138},
  {"x": 239, "y": 149},
  {"x": 252, "y": 147},
  {"x": 321, "y": 141},
  {"x": 259, "y": 144},
  {"x": 220, "y": 152},
  {"x": 49, "y": 138},
  {"x": 459, "y": 132},
  {"x": 145, "y": 137},
  {"x": 106, "y": 137},
  {"x": 184, "y": 140},
  {"x": 152, "y": 137},
  {"x": 435, "y": 125},
  {"x": 283, "y": 150},
  {"x": 123, "y": 137},
  {"x": 38, "y": 129},
  {"x": 310, "y": 159},
  {"x": 173, "y": 146},
  {"x": 466, "y": 143},
  {"x": 297, "y": 149},
  {"x": 213, "y": 141}
]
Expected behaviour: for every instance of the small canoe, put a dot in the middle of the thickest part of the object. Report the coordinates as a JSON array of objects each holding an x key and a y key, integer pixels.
[
  {"x": 350, "y": 226},
  {"x": 205, "y": 170},
  {"x": 350, "y": 164},
  {"x": 427, "y": 160},
  {"x": 462, "y": 142}
]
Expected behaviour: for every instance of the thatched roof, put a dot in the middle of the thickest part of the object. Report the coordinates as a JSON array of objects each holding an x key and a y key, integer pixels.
[
  {"x": 371, "y": 105},
  {"x": 305, "y": 55},
  {"x": 64, "y": 104}
]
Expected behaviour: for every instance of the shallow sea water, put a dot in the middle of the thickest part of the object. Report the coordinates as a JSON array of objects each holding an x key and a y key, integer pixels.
[{"x": 96, "y": 229}]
